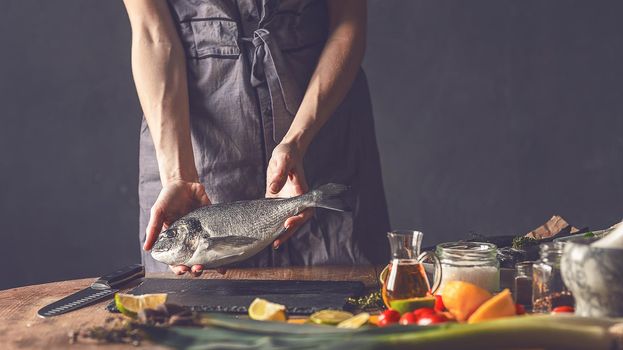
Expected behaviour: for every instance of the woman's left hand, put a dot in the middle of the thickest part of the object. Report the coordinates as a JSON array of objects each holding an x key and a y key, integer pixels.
[{"x": 286, "y": 178}]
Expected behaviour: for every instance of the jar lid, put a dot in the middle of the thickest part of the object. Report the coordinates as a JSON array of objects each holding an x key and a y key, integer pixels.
[
  {"x": 551, "y": 251},
  {"x": 467, "y": 251},
  {"x": 524, "y": 267}
]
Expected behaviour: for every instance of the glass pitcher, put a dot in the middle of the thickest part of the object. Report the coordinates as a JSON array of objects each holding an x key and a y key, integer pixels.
[{"x": 405, "y": 277}]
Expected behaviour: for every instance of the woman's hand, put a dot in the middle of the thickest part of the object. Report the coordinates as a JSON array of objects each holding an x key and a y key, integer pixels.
[
  {"x": 286, "y": 178},
  {"x": 176, "y": 199},
  {"x": 337, "y": 68},
  {"x": 159, "y": 70}
]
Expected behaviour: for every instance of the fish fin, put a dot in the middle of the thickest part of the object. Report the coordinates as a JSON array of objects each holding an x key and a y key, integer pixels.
[
  {"x": 330, "y": 196},
  {"x": 231, "y": 255},
  {"x": 229, "y": 243},
  {"x": 281, "y": 231}
]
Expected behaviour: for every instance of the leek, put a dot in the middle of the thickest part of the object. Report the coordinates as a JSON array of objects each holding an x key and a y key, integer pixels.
[{"x": 547, "y": 331}]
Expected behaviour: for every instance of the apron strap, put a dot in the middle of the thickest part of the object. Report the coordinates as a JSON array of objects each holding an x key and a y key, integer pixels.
[{"x": 270, "y": 67}]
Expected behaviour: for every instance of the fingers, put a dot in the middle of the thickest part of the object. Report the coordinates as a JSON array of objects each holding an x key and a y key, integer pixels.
[
  {"x": 180, "y": 269},
  {"x": 196, "y": 270},
  {"x": 276, "y": 176},
  {"x": 281, "y": 173},
  {"x": 283, "y": 238},
  {"x": 156, "y": 219},
  {"x": 173, "y": 202},
  {"x": 292, "y": 224},
  {"x": 297, "y": 177},
  {"x": 202, "y": 196}
]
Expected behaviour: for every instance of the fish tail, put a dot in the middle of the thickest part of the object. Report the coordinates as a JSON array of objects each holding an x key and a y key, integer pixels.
[{"x": 329, "y": 196}]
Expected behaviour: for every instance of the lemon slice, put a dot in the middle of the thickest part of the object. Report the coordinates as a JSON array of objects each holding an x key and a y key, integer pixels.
[
  {"x": 355, "y": 321},
  {"x": 264, "y": 310},
  {"x": 331, "y": 317},
  {"x": 408, "y": 305},
  {"x": 130, "y": 305}
]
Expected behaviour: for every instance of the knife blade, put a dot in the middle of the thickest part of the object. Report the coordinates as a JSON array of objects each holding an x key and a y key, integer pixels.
[{"x": 102, "y": 288}]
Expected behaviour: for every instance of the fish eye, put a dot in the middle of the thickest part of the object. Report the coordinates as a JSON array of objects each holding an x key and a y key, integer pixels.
[{"x": 170, "y": 233}]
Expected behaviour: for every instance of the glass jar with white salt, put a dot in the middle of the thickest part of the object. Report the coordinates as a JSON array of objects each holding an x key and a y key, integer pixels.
[{"x": 473, "y": 262}]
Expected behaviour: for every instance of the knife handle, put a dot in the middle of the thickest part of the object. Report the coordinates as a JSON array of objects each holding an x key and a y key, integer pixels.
[{"x": 119, "y": 277}]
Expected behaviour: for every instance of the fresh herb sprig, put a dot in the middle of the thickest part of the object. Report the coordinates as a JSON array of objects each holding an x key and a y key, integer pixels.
[
  {"x": 372, "y": 301},
  {"x": 522, "y": 242}
]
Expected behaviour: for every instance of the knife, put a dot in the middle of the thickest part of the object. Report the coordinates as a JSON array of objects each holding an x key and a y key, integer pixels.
[{"x": 102, "y": 288}]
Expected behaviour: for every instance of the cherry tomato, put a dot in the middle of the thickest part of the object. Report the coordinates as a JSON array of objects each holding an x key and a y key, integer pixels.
[
  {"x": 562, "y": 309},
  {"x": 439, "y": 306},
  {"x": 423, "y": 312},
  {"x": 425, "y": 320},
  {"x": 388, "y": 316},
  {"x": 519, "y": 309},
  {"x": 408, "y": 318}
]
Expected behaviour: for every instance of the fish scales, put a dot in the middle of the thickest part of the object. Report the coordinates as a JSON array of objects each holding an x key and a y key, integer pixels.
[{"x": 226, "y": 233}]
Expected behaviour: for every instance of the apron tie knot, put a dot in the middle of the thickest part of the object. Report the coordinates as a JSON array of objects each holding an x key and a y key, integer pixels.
[{"x": 269, "y": 67}]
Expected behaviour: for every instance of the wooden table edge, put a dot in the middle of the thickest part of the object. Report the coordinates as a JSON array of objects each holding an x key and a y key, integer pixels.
[{"x": 21, "y": 328}]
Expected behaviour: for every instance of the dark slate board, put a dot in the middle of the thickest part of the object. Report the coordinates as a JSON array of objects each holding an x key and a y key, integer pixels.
[{"x": 234, "y": 296}]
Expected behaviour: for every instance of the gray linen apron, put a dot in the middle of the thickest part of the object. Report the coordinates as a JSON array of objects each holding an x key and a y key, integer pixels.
[{"x": 248, "y": 63}]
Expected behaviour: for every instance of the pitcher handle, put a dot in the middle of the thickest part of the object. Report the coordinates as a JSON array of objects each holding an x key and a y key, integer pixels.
[
  {"x": 438, "y": 272},
  {"x": 383, "y": 274}
]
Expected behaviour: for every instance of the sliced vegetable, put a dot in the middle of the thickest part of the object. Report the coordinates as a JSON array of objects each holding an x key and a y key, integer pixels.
[
  {"x": 330, "y": 317},
  {"x": 463, "y": 298},
  {"x": 501, "y": 305},
  {"x": 408, "y": 305},
  {"x": 355, "y": 321},
  {"x": 264, "y": 310},
  {"x": 130, "y": 305}
]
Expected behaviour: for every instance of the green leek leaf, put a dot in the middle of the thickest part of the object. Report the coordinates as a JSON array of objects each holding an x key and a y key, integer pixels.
[{"x": 548, "y": 331}]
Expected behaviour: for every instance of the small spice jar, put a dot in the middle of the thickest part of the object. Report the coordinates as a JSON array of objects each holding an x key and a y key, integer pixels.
[
  {"x": 473, "y": 262},
  {"x": 523, "y": 284},
  {"x": 548, "y": 289}
]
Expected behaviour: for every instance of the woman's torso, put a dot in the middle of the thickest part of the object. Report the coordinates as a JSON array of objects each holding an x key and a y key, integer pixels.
[{"x": 248, "y": 63}]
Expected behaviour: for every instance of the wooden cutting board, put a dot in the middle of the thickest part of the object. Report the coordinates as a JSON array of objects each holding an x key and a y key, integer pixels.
[{"x": 234, "y": 296}]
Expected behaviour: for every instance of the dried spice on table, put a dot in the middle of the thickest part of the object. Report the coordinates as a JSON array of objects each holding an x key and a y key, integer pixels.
[
  {"x": 124, "y": 330},
  {"x": 369, "y": 302},
  {"x": 116, "y": 330}
]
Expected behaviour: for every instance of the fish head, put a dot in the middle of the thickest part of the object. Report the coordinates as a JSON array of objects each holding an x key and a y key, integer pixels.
[{"x": 177, "y": 244}]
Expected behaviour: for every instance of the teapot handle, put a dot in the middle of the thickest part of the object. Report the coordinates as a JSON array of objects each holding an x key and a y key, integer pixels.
[{"x": 438, "y": 271}]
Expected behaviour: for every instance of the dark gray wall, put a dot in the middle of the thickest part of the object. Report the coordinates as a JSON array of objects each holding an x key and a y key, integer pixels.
[
  {"x": 68, "y": 141},
  {"x": 491, "y": 116},
  {"x": 494, "y": 115}
]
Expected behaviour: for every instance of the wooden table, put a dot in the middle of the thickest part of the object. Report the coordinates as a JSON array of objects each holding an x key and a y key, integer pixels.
[{"x": 21, "y": 328}]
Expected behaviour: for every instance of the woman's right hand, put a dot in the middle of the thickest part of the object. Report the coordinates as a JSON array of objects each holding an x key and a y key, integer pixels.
[{"x": 176, "y": 199}]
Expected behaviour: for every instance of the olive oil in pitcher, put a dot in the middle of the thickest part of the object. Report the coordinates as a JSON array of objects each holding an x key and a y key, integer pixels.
[{"x": 405, "y": 277}]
